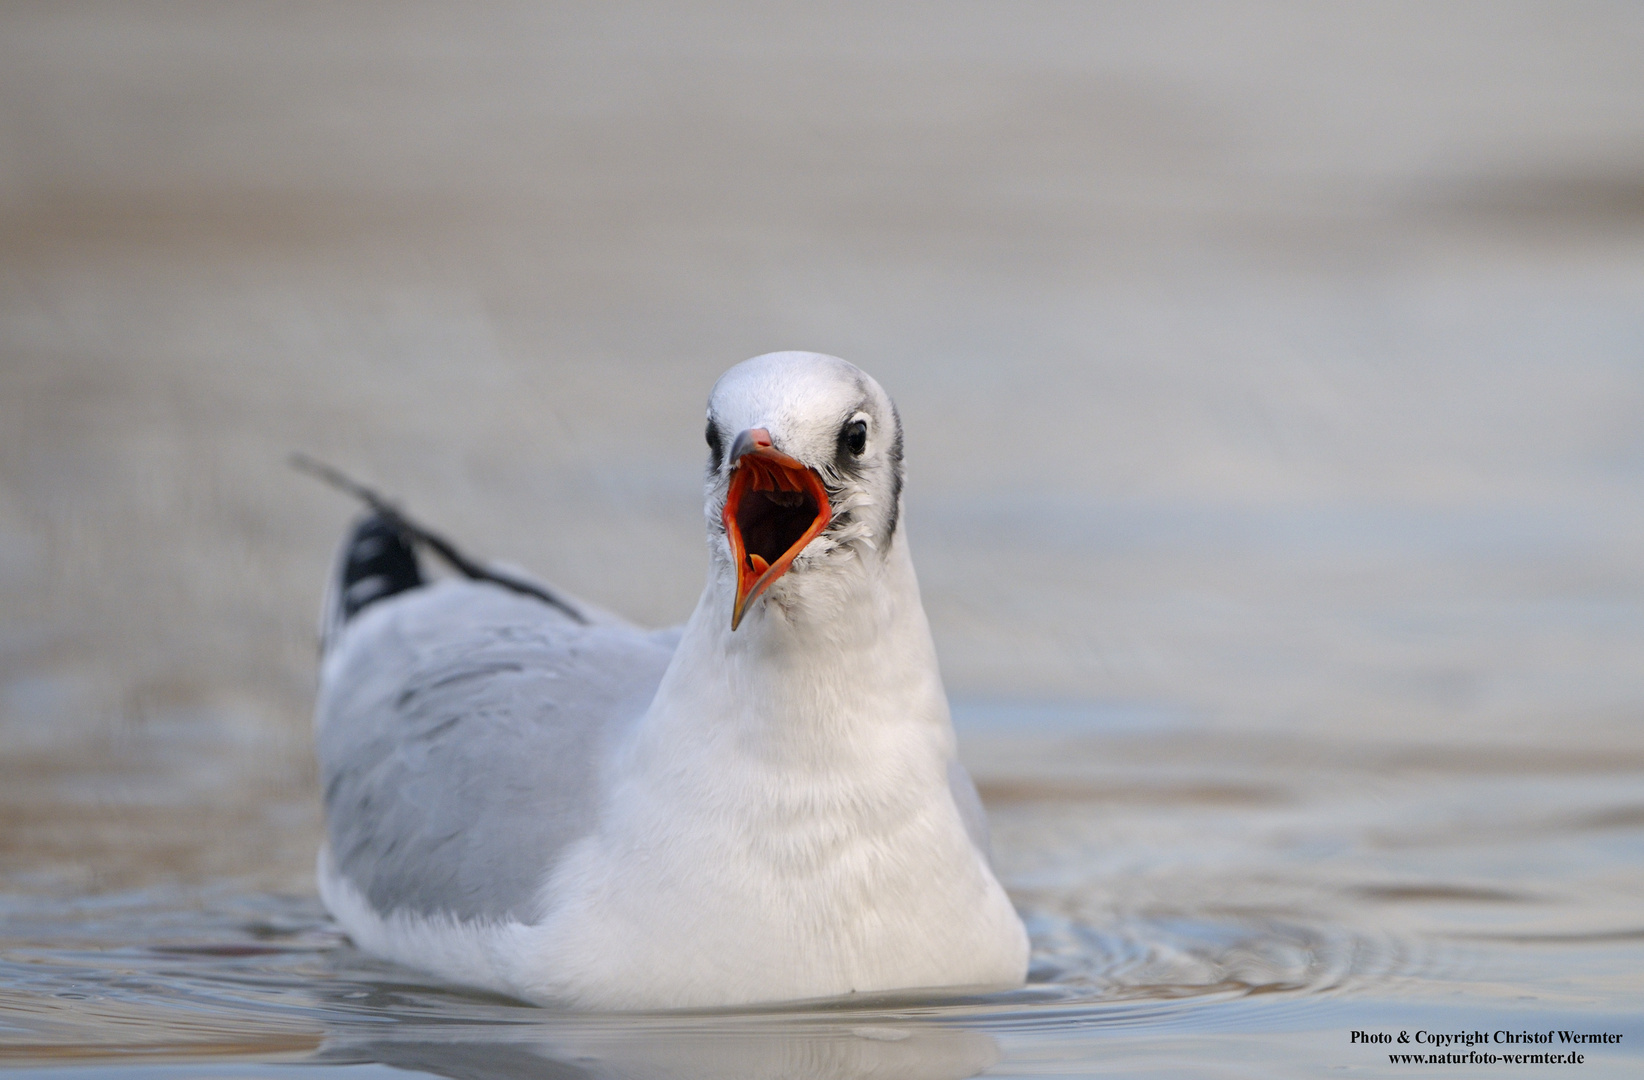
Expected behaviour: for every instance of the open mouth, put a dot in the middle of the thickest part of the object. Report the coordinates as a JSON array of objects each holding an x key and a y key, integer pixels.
[{"x": 775, "y": 507}]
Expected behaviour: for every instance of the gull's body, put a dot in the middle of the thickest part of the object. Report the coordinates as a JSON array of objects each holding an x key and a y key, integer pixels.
[{"x": 590, "y": 814}]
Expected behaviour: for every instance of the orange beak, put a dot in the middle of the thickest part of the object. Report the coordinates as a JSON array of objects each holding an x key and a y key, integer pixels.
[{"x": 775, "y": 506}]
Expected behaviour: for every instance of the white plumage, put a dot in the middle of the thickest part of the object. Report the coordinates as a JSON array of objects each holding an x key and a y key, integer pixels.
[{"x": 597, "y": 816}]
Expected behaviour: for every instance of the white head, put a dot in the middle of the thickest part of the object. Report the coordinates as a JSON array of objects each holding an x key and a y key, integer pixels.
[{"x": 804, "y": 473}]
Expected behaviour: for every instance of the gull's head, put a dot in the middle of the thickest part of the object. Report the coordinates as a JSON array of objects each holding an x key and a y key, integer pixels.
[{"x": 804, "y": 470}]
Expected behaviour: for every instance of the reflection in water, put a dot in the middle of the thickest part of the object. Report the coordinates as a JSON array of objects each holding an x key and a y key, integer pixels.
[{"x": 810, "y": 1052}]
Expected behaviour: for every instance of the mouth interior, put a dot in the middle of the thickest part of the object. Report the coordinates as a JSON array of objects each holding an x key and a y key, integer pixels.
[
  {"x": 774, "y": 508},
  {"x": 773, "y": 514}
]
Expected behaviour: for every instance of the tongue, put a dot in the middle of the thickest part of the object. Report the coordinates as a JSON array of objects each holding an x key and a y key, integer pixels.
[{"x": 758, "y": 563}]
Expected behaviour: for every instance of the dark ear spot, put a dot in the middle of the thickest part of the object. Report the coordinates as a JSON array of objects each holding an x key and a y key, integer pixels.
[
  {"x": 895, "y": 457},
  {"x": 716, "y": 446}
]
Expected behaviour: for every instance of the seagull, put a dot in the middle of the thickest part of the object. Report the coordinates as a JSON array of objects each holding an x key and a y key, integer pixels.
[{"x": 531, "y": 796}]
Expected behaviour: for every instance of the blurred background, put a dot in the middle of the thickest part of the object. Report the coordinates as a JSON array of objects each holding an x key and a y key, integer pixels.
[{"x": 1267, "y": 369}]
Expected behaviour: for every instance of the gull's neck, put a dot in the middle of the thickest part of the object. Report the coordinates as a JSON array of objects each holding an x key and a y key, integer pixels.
[{"x": 830, "y": 664}]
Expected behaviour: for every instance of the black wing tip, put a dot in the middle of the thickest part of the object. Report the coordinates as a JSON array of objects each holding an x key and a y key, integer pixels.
[
  {"x": 386, "y": 516},
  {"x": 378, "y": 561}
]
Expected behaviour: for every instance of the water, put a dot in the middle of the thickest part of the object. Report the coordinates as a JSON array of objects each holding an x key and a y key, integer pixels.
[
  {"x": 1200, "y": 904},
  {"x": 1273, "y": 381}
]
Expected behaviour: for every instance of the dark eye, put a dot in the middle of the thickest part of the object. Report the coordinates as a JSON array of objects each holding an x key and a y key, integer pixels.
[
  {"x": 854, "y": 437},
  {"x": 716, "y": 448}
]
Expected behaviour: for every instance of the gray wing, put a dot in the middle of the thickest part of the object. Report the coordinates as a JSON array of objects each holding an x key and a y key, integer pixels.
[{"x": 460, "y": 729}]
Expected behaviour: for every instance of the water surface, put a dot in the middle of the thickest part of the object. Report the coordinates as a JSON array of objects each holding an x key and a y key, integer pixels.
[{"x": 1199, "y": 904}]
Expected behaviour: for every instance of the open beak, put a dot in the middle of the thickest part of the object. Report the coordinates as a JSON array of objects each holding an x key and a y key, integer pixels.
[{"x": 775, "y": 506}]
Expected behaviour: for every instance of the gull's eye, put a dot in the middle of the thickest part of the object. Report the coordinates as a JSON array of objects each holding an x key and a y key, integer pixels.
[
  {"x": 854, "y": 437},
  {"x": 716, "y": 446}
]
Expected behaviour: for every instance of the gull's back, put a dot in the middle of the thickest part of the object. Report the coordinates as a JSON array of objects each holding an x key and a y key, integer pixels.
[{"x": 459, "y": 729}]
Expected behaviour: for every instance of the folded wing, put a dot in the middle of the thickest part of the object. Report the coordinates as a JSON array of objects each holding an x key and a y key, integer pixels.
[{"x": 459, "y": 731}]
